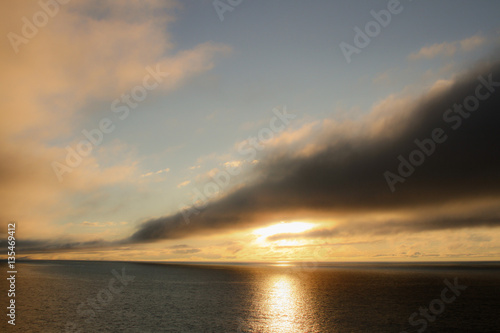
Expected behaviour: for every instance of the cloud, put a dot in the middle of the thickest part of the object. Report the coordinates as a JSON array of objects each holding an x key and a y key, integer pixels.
[
  {"x": 395, "y": 227},
  {"x": 184, "y": 183},
  {"x": 98, "y": 224},
  {"x": 382, "y": 78},
  {"x": 151, "y": 173},
  {"x": 180, "y": 246},
  {"x": 189, "y": 251},
  {"x": 471, "y": 43},
  {"x": 161, "y": 171},
  {"x": 233, "y": 164},
  {"x": 90, "y": 52},
  {"x": 428, "y": 52},
  {"x": 342, "y": 181},
  {"x": 448, "y": 49},
  {"x": 346, "y": 176}
]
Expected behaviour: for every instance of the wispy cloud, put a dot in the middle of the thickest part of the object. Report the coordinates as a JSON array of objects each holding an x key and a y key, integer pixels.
[
  {"x": 151, "y": 173},
  {"x": 91, "y": 51},
  {"x": 184, "y": 183},
  {"x": 98, "y": 224},
  {"x": 442, "y": 49},
  {"x": 471, "y": 43},
  {"x": 448, "y": 49}
]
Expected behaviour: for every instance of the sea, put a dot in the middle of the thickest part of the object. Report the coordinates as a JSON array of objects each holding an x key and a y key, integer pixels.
[{"x": 86, "y": 296}]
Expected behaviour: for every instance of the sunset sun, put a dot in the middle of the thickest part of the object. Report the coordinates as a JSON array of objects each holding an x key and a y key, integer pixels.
[{"x": 282, "y": 228}]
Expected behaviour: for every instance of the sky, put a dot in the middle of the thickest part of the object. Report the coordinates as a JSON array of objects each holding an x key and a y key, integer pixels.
[{"x": 243, "y": 130}]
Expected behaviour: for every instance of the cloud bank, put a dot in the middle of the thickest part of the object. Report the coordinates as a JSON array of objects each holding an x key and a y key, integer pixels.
[{"x": 345, "y": 173}]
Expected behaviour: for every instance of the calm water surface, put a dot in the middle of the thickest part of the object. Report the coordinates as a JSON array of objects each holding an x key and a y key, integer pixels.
[{"x": 71, "y": 296}]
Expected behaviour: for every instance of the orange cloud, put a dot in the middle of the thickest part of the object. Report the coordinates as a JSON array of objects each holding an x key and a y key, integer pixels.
[{"x": 73, "y": 60}]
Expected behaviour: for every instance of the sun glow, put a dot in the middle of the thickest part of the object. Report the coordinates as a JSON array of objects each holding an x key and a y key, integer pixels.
[{"x": 282, "y": 228}]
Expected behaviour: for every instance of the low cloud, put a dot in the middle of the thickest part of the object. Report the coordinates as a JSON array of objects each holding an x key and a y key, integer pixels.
[
  {"x": 188, "y": 251},
  {"x": 98, "y": 224}
]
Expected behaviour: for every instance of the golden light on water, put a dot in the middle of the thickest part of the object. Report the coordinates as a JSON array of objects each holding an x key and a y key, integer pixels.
[{"x": 282, "y": 304}]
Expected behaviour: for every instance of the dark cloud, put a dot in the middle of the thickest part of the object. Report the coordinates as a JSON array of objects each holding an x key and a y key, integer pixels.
[
  {"x": 40, "y": 246},
  {"x": 180, "y": 246},
  {"x": 348, "y": 175}
]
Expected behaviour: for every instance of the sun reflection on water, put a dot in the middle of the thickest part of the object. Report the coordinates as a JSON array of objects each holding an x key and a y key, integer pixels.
[{"x": 282, "y": 304}]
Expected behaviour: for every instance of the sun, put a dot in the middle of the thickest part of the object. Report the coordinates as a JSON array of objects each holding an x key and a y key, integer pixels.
[{"x": 282, "y": 228}]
